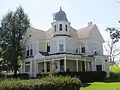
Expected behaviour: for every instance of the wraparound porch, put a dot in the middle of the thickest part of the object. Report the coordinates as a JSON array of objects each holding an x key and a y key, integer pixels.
[{"x": 65, "y": 63}]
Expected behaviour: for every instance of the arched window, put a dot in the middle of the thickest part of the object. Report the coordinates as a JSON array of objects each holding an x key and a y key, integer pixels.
[
  {"x": 66, "y": 27},
  {"x": 55, "y": 27}
]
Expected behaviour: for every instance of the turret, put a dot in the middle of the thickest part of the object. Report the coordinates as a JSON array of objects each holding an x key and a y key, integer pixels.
[{"x": 60, "y": 24}]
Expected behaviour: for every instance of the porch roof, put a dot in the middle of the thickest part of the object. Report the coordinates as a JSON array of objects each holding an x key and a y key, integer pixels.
[
  {"x": 58, "y": 53},
  {"x": 60, "y": 56}
]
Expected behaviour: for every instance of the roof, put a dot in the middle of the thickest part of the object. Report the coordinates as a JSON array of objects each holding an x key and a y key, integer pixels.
[
  {"x": 84, "y": 32},
  {"x": 60, "y": 16},
  {"x": 37, "y": 33},
  {"x": 47, "y": 54}
]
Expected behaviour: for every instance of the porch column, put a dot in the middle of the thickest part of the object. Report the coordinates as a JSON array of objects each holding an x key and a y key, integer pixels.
[
  {"x": 65, "y": 63},
  {"x": 45, "y": 70},
  {"x": 77, "y": 64},
  {"x": 58, "y": 65},
  {"x": 85, "y": 64},
  {"x": 35, "y": 68}
]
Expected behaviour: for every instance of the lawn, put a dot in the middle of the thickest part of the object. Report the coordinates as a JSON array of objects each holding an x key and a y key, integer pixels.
[
  {"x": 102, "y": 86},
  {"x": 114, "y": 69}
]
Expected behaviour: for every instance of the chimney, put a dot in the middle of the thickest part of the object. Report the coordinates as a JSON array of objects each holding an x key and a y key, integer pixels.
[{"x": 89, "y": 23}]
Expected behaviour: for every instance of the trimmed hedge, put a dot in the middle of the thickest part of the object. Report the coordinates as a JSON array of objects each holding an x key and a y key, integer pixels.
[
  {"x": 88, "y": 76},
  {"x": 48, "y": 83},
  {"x": 20, "y": 76}
]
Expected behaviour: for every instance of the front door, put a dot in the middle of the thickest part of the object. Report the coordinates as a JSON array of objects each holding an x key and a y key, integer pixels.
[
  {"x": 83, "y": 66},
  {"x": 61, "y": 65}
]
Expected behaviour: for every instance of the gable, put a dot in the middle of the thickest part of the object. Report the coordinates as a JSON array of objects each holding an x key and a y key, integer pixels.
[
  {"x": 38, "y": 56},
  {"x": 95, "y": 35}
]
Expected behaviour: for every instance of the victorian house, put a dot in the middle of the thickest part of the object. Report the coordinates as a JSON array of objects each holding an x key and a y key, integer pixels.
[{"x": 69, "y": 48}]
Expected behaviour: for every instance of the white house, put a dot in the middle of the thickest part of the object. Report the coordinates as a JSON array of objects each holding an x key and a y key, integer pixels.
[{"x": 69, "y": 48}]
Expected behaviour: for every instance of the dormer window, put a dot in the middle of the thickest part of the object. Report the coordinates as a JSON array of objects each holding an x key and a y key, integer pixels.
[
  {"x": 66, "y": 27},
  {"x": 55, "y": 27},
  {"x": 60, "y": 27}
]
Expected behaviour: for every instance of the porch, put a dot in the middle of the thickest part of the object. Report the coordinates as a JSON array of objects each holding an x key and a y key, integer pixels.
[{"x": 63, "y": 63}]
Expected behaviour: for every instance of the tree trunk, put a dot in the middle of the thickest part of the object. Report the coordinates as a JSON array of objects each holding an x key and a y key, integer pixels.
[{"x": 15, "y": 72}]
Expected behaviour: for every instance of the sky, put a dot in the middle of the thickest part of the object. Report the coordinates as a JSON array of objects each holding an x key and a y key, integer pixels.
[{"x": 103, "y": 13}]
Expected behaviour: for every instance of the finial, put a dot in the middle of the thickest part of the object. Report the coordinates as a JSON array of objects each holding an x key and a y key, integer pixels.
[{"x": 60, "y": 8}]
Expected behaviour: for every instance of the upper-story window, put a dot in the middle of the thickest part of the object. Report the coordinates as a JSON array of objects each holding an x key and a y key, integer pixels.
[
  {"x": 66, "y": 27},
  {"x": 76, "y": 50},
  {"x": 29, "y": 50},
  {"x": 60, "y": 27},
  {"x": 55, "y": 27},
  {"x": 48, "y": 47},
  {"x": 82, "y": 48},
  {"x": 61, "y": 45}
]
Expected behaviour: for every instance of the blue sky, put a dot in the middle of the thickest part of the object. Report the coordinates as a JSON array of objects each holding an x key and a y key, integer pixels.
[{"x": 104, "y": 13}]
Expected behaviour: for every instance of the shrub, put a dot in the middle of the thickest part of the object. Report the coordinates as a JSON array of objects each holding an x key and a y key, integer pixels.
[
  {"x": 1, "y": 76},
  {"x": 48, "y": 83},
  {"x": 20, "y": 75},
  {"x": 43, "y": 74},
  {"x": 88, "y": 76}
]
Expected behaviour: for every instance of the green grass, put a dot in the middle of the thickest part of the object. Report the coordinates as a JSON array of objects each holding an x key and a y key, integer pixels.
[
  {"x": 105, "y": 86},
  {"x": 102, "y": 86},
  {"x": 114, "y": 69}
]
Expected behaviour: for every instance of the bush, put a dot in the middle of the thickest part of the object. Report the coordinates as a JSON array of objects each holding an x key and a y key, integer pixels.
[
  {"x": 88, "y": 76},
  {"x": 48, "y": 83},
  {"x": 1, "y": 76},
  {"x": 19, "y": 75},
  {"x": 42, "y": 75}
]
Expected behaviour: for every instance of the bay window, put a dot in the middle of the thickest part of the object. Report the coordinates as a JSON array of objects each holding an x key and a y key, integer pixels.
[{"x": 61, "y": 45}]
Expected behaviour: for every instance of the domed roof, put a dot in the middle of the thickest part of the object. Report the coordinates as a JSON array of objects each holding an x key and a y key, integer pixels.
[{"x": 60, "y": 16}]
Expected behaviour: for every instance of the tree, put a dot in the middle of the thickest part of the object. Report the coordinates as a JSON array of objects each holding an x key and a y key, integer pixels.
[
  {"x": 13, "y": 28},
  {"x": 112, "y": 50}
]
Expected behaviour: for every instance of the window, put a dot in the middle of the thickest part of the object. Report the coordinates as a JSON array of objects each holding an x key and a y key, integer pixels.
[
  {"x": 29, "y": 50},
  {"x": 30, "y": 35},
  {"x": 48, "y": 47},
  {"x": 55, "y": 27},
  {"x": 99, "y": 67},
  {"x": 60, "y": 27},
  {"x": 76, "y": 50},
  {"x": 61, "y": 45},
  {"x": 66, "y": 27},
  {"x": 27, "y": 62},
  {"x": 27, "y": 68},
  {"x": 83, "y": 49}
]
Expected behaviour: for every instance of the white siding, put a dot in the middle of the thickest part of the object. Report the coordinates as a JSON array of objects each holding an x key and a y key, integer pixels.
[{"x": 94, "y": 46}]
